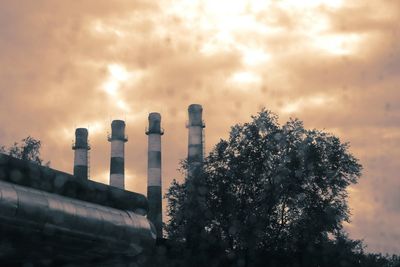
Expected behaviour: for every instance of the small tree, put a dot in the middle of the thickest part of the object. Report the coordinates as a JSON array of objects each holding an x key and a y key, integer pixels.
[
  {"x": 271, "y": 191},
  {"x": 28, "y": 150}
]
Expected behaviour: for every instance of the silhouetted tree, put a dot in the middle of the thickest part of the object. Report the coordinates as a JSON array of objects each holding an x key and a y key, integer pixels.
[
  {"x": 188, "y": 203},
  {"x": 29, "y": 149},
  {"x": 269, "y": 194}
]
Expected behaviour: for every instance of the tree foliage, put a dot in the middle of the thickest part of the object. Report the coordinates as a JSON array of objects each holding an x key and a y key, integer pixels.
[
  {"x": 269, "y": 192},
  {"x": 29, "y": 149}
]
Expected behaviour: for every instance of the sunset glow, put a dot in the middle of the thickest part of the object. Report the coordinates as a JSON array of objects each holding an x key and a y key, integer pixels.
[
  {"x": 117, "y": 75},
  {"x": 245, "y": 77}
]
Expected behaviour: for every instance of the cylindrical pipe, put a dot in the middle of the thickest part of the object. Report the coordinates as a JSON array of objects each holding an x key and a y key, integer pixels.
[
  {"x": 195, "y": 147},
  {"x": 154, "y": 191},
  {"x": 29, "y": 174},
  {"x": 81, "y": 148},
  {"x": 90, "y": 229},
  {"x": 117, "y": 164}
]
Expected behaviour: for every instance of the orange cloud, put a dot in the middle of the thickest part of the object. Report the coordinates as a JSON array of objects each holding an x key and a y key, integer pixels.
[{"x": 333, "y": 64}]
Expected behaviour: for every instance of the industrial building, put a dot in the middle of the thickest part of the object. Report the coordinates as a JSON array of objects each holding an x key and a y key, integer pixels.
[{"x": 52, "y": 218}]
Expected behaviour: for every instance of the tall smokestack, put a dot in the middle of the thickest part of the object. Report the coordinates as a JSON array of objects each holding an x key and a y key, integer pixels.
[
  {"x": 117, "y": 165},
  {"x": 195, "y": 150},
  {"x": 81, "y": 148},
  {"x": 154, "y": 133}
]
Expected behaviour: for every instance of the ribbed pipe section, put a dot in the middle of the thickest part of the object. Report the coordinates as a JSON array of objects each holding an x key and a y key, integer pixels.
[
  {"x": 195, "y": 144},
  {"x": 81, "y": 148},
  {"x": 117, "y": 164},
  {"x": 154, "y": 190}
]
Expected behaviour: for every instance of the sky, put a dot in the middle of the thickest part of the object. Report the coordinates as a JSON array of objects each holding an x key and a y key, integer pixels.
[{"x": 333, "y": 64}]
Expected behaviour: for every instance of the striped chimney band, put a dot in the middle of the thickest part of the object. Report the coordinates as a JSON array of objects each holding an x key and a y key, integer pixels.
[
  {"x": 154, "y": 195},
  {"x": 195, "y": 147},
  {"x": 81, "y": 148},
  {"x": 117, "y": 164}
]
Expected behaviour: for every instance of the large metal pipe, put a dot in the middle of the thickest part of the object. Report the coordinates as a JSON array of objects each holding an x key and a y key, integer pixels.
[
  {"x": 81, "y": 148},
  {"x": 45, "y": 222},
  {"x": 28, "y": 174},
  {"x": 117, "y": 164},
  {"x": 195, "y": 146},
  {"x": 154, "y": 191}
]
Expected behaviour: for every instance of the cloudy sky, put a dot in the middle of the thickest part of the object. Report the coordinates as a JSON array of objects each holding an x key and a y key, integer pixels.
[{"x": 335, "y": 64}]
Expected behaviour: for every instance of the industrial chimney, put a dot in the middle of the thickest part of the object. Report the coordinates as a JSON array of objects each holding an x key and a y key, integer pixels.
[
  {"x": 117, "y": 165},
  {"x": 195, "y": 149},
  {"x": 154, "y": 194},
  {"x": 81, "y": 148}
]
